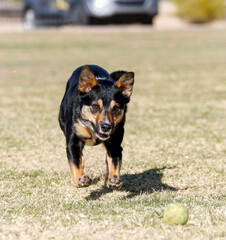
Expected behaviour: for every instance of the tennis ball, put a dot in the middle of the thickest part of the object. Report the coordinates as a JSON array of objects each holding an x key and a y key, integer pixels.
[{"x": 175, "y": 214}]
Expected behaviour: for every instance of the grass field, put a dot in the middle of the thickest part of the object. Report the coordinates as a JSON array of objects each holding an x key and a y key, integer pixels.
[{"x": 174, "y": 145}]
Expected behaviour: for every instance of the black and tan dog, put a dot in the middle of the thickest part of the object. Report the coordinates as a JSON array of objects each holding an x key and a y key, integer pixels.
[{"x": 93, "y": 111}]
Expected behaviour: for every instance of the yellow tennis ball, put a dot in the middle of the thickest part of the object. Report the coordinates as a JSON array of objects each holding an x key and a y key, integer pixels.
[{"x": 175, "y": 214}]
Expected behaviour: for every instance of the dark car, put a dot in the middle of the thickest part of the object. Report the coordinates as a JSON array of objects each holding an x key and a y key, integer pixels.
[
  {"x": 58, "y": 12},
  {"x": 45, "y": 12}
]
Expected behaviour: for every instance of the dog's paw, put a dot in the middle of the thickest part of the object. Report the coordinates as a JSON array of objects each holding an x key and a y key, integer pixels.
[
  {"x": 114, "y": 182},
  {"x": 84, "y": 181}
]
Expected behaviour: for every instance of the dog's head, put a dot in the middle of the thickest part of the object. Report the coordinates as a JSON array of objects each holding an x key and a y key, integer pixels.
[{"x": 104, "y": 103}]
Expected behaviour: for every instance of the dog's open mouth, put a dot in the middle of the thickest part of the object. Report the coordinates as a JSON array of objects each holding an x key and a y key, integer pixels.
[{"x": 101, "y": 136}]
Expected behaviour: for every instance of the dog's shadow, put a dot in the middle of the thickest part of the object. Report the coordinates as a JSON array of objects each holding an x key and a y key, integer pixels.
[{"x": 148, "y": 181}]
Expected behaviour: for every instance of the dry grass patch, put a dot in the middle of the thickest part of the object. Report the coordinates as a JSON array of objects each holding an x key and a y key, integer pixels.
[{"x": 174, "y": 146}]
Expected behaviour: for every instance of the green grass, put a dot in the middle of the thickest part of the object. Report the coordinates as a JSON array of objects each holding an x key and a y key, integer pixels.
[{"x": 174, "y": 145}]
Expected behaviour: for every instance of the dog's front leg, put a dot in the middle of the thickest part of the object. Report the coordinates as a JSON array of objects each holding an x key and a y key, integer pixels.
[
  {"x": 113, "y": 163},
  {"x": 75, "y": 160}
]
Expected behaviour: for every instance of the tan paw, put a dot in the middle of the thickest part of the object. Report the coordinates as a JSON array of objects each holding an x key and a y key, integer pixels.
[
  {"x": 84, "y": 181},
  {"x": 114, "y": 182}
]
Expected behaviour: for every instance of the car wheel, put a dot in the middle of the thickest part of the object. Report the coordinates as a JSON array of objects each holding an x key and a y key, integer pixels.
[{"x": 29, "y": 19}]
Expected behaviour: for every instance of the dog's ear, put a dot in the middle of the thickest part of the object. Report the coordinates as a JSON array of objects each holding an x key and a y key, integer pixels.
[
  {"x": 116, "y": 75},
  {"x": 125, "y": 83},
  {"x": 87, "y": 80}
]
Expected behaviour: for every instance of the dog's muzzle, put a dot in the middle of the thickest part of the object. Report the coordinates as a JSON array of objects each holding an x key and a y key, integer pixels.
[{"x": 104, "y": 131}]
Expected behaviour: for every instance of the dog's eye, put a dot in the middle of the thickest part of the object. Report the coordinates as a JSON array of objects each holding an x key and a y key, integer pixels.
[
  {"x": 115, "y": 108},
  {"x": 95, "y": 106}
]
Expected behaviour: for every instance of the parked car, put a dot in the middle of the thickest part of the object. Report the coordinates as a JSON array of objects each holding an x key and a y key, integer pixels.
[
  {"x": 58, "y": 12},
  {"x": 45, "y": 12}
]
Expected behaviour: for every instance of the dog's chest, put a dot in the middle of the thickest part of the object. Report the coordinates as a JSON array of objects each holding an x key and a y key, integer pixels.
[{"x": 92, "y": 142}]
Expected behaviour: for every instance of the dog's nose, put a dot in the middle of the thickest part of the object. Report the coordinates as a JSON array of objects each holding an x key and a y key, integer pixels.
[{"x": 105, "y": 127}]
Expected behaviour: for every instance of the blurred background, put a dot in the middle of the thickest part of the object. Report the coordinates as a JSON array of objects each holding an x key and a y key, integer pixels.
[
  {"x": 160, "y": 14},
  {"x": 175, "y": 138}
]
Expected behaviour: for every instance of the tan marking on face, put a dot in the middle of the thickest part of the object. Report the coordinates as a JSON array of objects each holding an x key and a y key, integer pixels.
[
  {"x": 81, "y": 131},
  {"x": 112, "y": 104},
  {"x": 116, "y": 118},
  {"x": 87, "y": 114},
  {"x": 75, "y": 171},
  {"x": 100, "y": 103},
  {"x": 111, "y": 169},
  {"x": 110, "y": 117},
  {"x": 101, "y": 114},
  {"x": 100, "y": 117}
]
